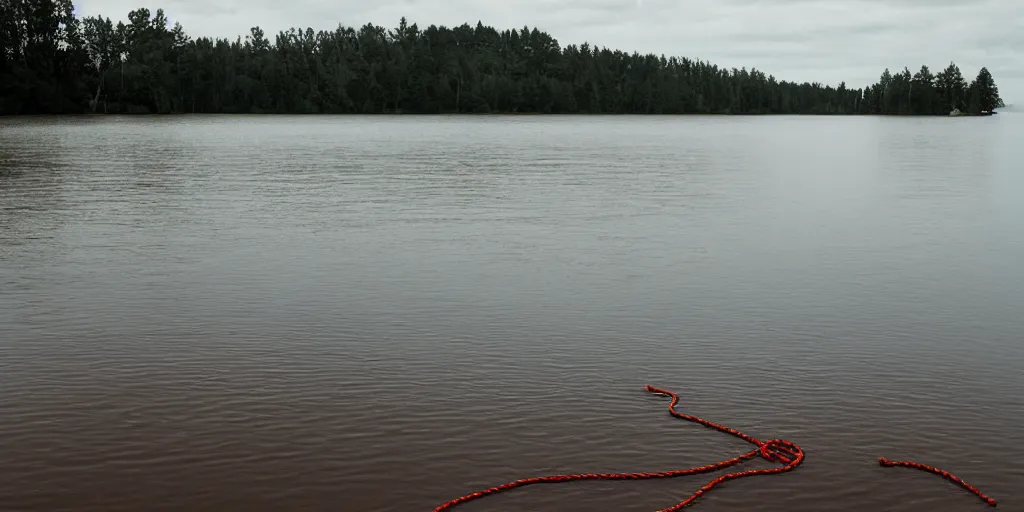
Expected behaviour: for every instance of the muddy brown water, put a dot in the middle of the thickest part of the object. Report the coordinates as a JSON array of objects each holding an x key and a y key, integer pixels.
[{"x": 379, "y": 314}]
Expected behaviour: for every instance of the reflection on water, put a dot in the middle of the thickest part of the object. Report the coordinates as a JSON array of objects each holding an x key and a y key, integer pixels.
[{"x": 384, "y": 313}]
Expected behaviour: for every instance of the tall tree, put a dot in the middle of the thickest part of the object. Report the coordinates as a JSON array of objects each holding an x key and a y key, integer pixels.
[
  {"x": 51, "y": 62},
  {"x": 922, "y": 92},
  {"x": 952, "y": 87},
  {"x": 99, "y": 37},
  {"x": 987, "y": 92}
]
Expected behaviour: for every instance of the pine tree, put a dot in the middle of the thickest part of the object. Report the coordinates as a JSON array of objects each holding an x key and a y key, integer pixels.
[
  {"x": 987, "y": 92},
  {"x": 52, "y": 62}
]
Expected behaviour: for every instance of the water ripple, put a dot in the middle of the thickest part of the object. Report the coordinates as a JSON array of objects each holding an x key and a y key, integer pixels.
[{"x": 380, "y": 314}]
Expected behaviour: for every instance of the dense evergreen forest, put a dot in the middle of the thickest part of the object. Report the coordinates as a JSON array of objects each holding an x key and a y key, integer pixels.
[{"x": 53, "y": 62}]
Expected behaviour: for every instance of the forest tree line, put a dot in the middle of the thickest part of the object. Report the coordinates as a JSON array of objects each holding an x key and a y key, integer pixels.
[{"x": 53, "y": 62}]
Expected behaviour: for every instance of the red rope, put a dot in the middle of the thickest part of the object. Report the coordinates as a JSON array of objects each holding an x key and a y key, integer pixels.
[
  {"x": 884, "y": 462},
  {"x": 774, "y": 450}
]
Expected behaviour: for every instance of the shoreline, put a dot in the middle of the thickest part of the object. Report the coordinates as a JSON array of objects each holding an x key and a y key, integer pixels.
[{"x": 478, "y": 114}]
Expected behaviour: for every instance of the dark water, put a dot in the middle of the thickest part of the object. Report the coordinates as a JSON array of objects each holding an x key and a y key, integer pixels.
[{"x": 381, "y": 314}]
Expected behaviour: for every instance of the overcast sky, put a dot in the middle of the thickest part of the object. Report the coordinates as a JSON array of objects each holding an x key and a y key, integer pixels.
[{"x": 814, "y": 40}]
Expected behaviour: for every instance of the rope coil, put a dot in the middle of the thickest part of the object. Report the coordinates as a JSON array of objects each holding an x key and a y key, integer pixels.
[{"x": 774, "y": 450}]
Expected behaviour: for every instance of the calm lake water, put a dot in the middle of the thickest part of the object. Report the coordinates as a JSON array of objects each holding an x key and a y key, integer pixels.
[{"x": 379, "y": 314}]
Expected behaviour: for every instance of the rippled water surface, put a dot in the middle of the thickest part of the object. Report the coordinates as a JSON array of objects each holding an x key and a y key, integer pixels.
[{"x": 378, "y": 314}]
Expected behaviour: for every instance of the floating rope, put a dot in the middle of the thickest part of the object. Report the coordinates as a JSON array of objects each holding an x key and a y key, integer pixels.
[
  {"x": 884, "y": 462},
  {"x": 774, "y": 450}
]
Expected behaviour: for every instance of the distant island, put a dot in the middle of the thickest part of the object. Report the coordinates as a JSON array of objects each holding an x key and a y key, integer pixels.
[{"x": 53, "y": 63}]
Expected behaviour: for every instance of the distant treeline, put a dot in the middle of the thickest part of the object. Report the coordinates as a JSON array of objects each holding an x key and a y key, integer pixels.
[{"x": 52, "y": 62}]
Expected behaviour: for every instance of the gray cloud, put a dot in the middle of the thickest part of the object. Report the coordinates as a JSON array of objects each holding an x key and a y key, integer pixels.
[{"x": 827, "y": 41}]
